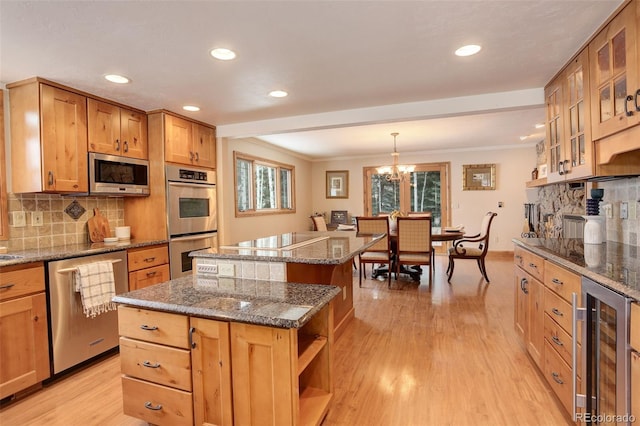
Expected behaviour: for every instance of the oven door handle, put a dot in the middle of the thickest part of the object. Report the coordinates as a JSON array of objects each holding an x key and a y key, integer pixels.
[
  {"x": 193, "y": 237},
  {"x": 577, "y": 314},
  {"x": 192, "y": 185}
]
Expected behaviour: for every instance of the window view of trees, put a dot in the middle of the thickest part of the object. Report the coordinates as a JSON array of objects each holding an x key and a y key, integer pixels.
[{"x": 262, "y": 186}]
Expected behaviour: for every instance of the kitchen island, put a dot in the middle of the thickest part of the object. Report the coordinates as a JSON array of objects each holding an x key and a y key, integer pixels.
[
  {"x": 297, "y": 257},
  {"x": 220, "y": 350}
]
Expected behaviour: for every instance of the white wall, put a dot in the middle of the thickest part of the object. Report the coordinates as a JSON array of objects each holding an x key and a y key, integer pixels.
[
  {"x": 233, "y": 229},
  {"x": 513, "y": 169}
]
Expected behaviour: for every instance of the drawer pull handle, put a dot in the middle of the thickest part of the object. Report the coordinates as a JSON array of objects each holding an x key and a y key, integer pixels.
[
  {"x": 557, "y": 281},
  {"x": 517, "y": 256},
  {"x": 150, "y": 406},
  {"x": 557, "y": 378},
  {"x": 192, "y": 342},
  {"x": 533, "y": 265},
  {"x": 557, "y": 312},
  {"x": 523, "y": 285},
  {"x": 6, "y": 286},
  {"x": 150, "y": 365},
  {"x": 148, "y": 328},
  {"x": 557, "y": 341},
  {"x": 149, "y": 259},
  {"x": 151, "y": 274}
]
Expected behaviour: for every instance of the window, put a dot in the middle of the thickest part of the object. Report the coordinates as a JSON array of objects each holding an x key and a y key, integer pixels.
[{"x": 263, "y": 186}]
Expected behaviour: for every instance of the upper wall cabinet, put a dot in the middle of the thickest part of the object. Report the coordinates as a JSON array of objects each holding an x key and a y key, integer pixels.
[
  {"x": 615, "y": 74},
  {"x": 48, "y": 138},
  {"x": 117, "y": 131},
  {"x": 4, "y": 216},
  {"x": 188, "y": 142}
]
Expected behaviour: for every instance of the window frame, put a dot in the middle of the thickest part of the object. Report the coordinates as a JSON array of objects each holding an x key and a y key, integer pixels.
[{"x": 253, "y": 211}]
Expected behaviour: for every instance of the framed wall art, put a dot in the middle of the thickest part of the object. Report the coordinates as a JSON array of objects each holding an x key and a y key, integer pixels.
[
  {"x": 338, "y": 184},
  {"x": 478, "y": 177}
]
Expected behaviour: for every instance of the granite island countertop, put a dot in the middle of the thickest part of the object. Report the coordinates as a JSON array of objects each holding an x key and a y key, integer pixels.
[
  {"x": 611, "y": 264},
  {"x": 269, "y": 303},
  {"x": 66, "y": 251},
  {"x": 328, "y": 248}
]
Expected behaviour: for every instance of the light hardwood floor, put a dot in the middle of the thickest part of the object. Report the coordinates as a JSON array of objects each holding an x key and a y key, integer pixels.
[{"x": 415, "y": 355}]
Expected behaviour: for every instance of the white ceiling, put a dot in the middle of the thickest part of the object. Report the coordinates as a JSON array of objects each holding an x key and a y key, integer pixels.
[{"x": 355, "y": 70}]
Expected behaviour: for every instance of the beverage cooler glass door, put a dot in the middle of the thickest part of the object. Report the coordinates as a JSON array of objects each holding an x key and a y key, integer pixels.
[
  {"x": 192, "y": 208},
  {"x": 606, "y": 355}
]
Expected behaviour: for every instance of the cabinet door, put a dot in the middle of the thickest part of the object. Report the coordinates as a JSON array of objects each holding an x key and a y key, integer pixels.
[
  {"x": 615, "y": 74},
  {"x": 204, "y": 146},
  {"x": 178, "y": 138},
  {"x": 24, "y": 345},
  {"x": 264, "y": 375},
  {"x": 104, "y": 127},
  {"x": 211, "y": 370},
  {"x": 578, "y": 160},
  {"x": 133, "y": 131},
  {"x": 521, "y": 302},
  {"x": 64, "y": 140},
  {"x": 535, "y": 340},
  {"x": 554, "y": 120},
  {"x": 635, "y": 384}
]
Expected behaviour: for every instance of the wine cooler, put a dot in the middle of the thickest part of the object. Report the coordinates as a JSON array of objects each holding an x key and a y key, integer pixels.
[{"x": 606, "y": 354}]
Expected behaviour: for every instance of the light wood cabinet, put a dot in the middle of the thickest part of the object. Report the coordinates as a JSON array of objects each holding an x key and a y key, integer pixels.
[
  {"x": 116, "y": 130},
  {"x": 569, "y": 143},
  {"x": 148, "y": 266},
  {"x": 529, "y": 306},
  {"x": 24, "y": 344},
  {"x": 4, "y": 226},
  {"x": 48, "y": 138},
  {"x": 188, "y": 142},
  {"x": 614, "y": 57}
]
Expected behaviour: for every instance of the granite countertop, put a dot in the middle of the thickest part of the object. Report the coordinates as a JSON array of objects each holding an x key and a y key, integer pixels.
[
  {"x": 332, "y": 247},
  {"x": 269, "y": 303},
  {"x": 70, "y": 250},
  {"x": 614, "y": 265}
]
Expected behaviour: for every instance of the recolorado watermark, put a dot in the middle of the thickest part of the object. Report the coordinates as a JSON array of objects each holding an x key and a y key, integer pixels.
[{"x": 604, "y": 418}]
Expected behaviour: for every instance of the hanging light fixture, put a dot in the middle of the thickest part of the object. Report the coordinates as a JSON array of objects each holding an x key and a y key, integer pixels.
[{"x": 395, "y": 172}]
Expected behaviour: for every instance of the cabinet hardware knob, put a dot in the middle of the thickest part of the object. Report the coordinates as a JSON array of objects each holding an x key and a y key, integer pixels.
[
  {"x": 197, "y": 157},
  {"x": 151, "y": 274},
  {"x": 191, "y": 342},
  {"x": 191, "y": 155},
  {"x": 150, "y": 406},
  {"x": 637, "y": 98},
  {"x": 50, "y": 178},
  {"x": 126, "y": 146},
  {"x": 626, "y": 103},
  {"x": 523, "y": 285},
  {"x": 150, "y": 365},
  {"x": 557, "y": 378},
  {"x": 148, "y": 327},
  {"x": 557, "y": 281},
  {"x": 533, "y": 265},
  {"x": 117, "y": 144},
  {"x": 557, "y": 312},
  {"x": 560, "y": 168},
  {"x": 6, "y": 286},
  {"x": 149, "y": 259},
  {"x": 557, "y": 341}
]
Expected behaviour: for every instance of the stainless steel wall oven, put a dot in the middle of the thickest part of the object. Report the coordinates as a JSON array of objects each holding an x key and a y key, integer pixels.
[{"x": 192, "y": 215}]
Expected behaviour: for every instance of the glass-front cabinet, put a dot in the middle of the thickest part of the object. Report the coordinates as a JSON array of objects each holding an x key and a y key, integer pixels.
[
  {"x": 553, "y": 98},
  {"x": 615, "y": 74}
]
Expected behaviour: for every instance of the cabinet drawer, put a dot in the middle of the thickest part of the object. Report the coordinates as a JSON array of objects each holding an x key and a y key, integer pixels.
[
  {"x": 562, "y": 281},
  {"x": 635, "y": 384},
  {"x": 634, "y": 331},
  {"x": 153, "y": 326},
  {"x": 163, "y": 365},
  {"x": 156, "y": 404},
  {"x": 146, "y": 257},
  {"x": 18, "y": 280},
  {"x": 561, "y": 341},
  {"x": 149, "y": 276},
  {"x": 531, "y": 263},
  {"x": 558, "y": 375},
  {"x": 558, "y": 309}
]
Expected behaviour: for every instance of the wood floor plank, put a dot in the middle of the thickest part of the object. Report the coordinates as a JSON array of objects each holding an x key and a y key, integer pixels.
[{"x": 415, "y": 355}]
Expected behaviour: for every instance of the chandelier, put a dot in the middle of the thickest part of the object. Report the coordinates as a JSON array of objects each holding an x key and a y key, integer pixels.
[{"x": 396, "y": 172}]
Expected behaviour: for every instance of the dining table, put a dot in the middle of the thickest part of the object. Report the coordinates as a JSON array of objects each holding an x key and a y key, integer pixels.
[{"x": 442, "y": 235}]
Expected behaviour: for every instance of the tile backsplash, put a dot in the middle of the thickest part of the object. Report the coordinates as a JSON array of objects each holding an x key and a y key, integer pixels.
[{"x": 58, "y": 227}]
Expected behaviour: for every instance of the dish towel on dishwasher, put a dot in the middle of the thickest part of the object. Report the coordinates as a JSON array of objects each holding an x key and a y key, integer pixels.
[{"x": 96, "y": 285}]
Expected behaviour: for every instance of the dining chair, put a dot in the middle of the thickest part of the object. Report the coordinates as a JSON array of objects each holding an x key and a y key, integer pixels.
[
  {"x": 319, "y": 224},
  {"x": 380, "y": 252},
  {"x": 479, "y": 252},
  {"x": 414, "y": 243}
]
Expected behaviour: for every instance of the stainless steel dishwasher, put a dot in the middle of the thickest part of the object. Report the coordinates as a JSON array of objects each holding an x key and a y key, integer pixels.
[{"x": 74, "y": 337}]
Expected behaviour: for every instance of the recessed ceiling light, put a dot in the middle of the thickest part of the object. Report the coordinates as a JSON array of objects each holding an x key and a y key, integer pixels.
[
  {"x": 468, "y": 50},
  {"x": 523, "y": 137},
  {"x": 223, "y": 54},
  {"x": 191, "y": 108},
  {"x": 278, "y": 93},
  {"x": 115, "y": 78},
  {"x": 539, "y": 125}
]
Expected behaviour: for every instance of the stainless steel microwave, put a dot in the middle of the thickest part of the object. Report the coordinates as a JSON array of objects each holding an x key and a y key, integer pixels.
[{"x": 118, "y": 176}]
